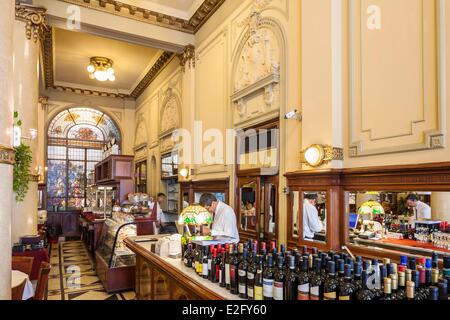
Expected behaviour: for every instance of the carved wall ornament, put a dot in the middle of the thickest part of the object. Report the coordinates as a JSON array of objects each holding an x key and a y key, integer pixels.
[
  {"x": 241, "y": 107},
  {"x": 7, "y": 155},
  {"x": 187, "y": 57},
  {"x": 170, "y": 115},
  {"x": 44, "y": 102},
  {"x": 35, "y": 19}
]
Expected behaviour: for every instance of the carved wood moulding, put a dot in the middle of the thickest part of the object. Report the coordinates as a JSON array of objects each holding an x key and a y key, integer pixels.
[{"x": 203, "y": 13}]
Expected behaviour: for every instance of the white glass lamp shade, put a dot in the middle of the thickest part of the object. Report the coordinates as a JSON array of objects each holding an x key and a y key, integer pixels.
[{"x": 314, "y": 155}]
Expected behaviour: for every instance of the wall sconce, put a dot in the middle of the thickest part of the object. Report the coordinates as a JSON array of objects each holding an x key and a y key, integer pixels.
[
  {"x": 33, "y": 133},
  {"x": 317, "y": 155},
  {"x": 184, "y": 173}
]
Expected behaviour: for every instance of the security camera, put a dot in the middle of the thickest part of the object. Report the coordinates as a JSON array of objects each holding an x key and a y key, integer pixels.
[{"x": 293, "y": 115}]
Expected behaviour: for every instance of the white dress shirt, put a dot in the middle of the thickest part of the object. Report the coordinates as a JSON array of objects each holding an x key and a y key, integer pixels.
[
  {"x": 311, "y": 220},
  {"x": 422, "y": 211},
  {"x": 224, "y": 224}
]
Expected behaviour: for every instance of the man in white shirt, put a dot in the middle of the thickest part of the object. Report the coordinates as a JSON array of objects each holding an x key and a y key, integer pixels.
[
  {"x": 163, "y": 224},
  {"x": 421, "y": 209},
  {"x": 311, "y": 220},
  {"x": 224, "y": 219}
]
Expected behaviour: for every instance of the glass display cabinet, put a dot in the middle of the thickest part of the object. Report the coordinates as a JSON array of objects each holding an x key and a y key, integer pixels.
[{"x": 115, "y": 263}]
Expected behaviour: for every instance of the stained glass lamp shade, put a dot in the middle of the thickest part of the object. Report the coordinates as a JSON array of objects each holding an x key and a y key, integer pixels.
[
  {"x": 195, "y": 215},
  {"x": 371, "y": 207}
]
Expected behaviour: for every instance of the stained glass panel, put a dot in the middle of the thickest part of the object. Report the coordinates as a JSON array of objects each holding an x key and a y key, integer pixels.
[
  {"x": 77, "y": 180},
  {"x": 57, "y": 173},
  {"x": 76, "y": 154},
  {"x": 55, "y": 152},
  {"x": 85, "y": 132}
]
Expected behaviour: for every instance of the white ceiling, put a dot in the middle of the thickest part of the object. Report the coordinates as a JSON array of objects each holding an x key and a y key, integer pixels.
[
  {"x": 73, "y": 50},
  {"x": 183, "y": 9}
]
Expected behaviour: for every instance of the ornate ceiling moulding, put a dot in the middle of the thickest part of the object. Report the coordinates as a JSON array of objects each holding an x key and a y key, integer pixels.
[
  {"x": 90, "y": 92},
  {"x": 187, "y": 57},
  {"x": 7, "y": 155},
  {"x": 152, "y": 74},
  {"x": 35, "y": 19},
  {"x": 203, "y": 13},
  {"x": 47, "y": 52}
]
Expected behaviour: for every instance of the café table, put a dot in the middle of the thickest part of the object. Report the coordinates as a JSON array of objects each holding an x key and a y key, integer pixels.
[{"x": 17, "y": 277}]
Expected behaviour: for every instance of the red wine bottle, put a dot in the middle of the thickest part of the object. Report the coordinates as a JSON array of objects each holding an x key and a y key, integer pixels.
[
  {"x": 303, "y": 281},
  {"x": 316, "y": 282},
  {"x": 234, "y": 272},
  {"x": 279, "y": 281},
  {"x": 243, "y": 266},
  {"x": 222, "y": 273},
  {"x": 258, "y": 288},
  {"x": 227, "y": 267},
  {"x": 268, "y": 279},
  {"x": 251, "y": 273},
  {"x": 291, "y": 282},
  {"x": 215, "y": 269},
  {"x": 347, "y": 289},
  {"x": 331, "y": 284}
]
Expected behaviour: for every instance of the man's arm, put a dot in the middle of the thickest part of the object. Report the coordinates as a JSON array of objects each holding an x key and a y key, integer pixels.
[
  {"x": 227, "y": 231},
  {"x": 315, "y": 223}
]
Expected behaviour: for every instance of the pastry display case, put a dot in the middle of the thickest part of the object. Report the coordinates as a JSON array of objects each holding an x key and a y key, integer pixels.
[{"x": 115, "y": 263}]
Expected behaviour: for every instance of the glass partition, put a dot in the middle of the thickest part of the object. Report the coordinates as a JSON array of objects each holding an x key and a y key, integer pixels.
[
  {"x": 314, "y": 216},
  {"x": 399, "y": 219},
  {"x": 248, "y": 206}
]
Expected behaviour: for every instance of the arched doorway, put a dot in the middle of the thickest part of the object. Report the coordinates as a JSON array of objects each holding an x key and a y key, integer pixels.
[{"x": 75, "y": 141}]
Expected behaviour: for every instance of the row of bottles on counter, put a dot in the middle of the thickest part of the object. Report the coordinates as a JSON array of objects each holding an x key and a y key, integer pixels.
[{"x": 269, "y": 274}]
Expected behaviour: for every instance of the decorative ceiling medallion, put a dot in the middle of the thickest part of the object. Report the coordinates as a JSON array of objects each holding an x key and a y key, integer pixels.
[
  {"x": 203, "y": 13},
  {"x": 7, "y": 155},
  {"x": 35, "y": 19}
]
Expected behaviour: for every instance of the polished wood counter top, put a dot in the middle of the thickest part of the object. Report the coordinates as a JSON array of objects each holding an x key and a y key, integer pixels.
[{"x": 169, "y": 279}]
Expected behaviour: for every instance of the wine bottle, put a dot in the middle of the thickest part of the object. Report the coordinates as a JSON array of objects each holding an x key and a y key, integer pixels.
[
  {"x": 243, "y": 266},
  {"x": 365, "y": 294},
  {"x": 196, "y": 258},
  {"x": 387, "y": 288},
  {"x": 357, "y": 278},
  {"x": 347, "y": 289},
  {"x": 291, "y": 285},
  {"x": 258, "y": 288},
  {"x": 188, "y": 257},
  {"x": 316, "y": 282},
  {"x": 410, "y": 290},
  {"x": 303, "y": 281},
  {"x": 251, "y": 273},
  {"x": 331, "y": 284},
  {"x": 401, "y": 291},
  {"x": 340, "y": 272},
  {"x": 268, "y": 279},
  {"x": 279, "y": 280},
  {"x": 433, "y": 293},
  {"x": 234, "y": 272},
  {"x": 412, "y": 263},
  {"x": 210, "y": 259},
  {"x": 222, "y": 277},
  {"x": 205, "y": 263},
  {"x": 227, "y": 267},
  {"x": 216, "y": 263},
  {"x": 394, "y": 287},
  {"x": 434, "y": 260}
]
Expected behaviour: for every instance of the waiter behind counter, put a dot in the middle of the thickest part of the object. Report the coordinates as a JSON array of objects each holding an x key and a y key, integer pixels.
[
  {"x": 224, "y": 219},
  {"x": 311, "y": 221}
]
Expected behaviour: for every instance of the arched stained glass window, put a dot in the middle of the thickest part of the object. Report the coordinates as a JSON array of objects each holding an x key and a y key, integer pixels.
[{"x": 75, "y": 139}]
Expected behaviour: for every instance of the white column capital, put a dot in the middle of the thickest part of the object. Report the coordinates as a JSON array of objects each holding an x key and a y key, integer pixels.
[{"x": 35, "y": 20}]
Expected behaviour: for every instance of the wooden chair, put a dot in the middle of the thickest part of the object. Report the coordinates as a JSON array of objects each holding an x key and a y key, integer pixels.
[
  {"x": 41, "y": 285},
  {"x": 17, "y": 292},
  {"x": 23, "y": 264}
]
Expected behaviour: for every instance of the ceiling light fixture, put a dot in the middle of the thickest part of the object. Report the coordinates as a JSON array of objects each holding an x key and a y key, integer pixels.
[{"x": 101, "y": 68}]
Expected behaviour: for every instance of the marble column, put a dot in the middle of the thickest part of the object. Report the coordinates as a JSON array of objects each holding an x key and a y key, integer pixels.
[
  {"x": 28, "y": 29},
  {"x": 6, "y": 151}
]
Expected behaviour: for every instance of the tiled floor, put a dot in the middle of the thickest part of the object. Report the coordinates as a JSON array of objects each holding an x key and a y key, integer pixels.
[{"x": 72, "y": 276}]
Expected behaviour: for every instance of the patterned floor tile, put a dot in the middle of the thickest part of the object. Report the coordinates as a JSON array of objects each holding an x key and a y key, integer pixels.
[
  {"x": 54, "y": 284},
  {"x": 128, "y": 295},
  {"x": 92, "y": 295}
]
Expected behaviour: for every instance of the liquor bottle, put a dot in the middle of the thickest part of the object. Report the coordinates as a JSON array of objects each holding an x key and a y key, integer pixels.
[
  {"x": 433, "y": 293},
  {"x": 394, "y": 287},
  {"x": 258, "y": 288},
  {"x": 331, "y": 284},
  {"x": 316, "y": 282},
  {"x": 357, "y": 277},
  {"x": 215, "y": 269},
  {"x": 387, "y": 288},
  {"x": 243, "y": 266},
  {"x": 188, "y": 257},
  {"x": 415, "y": 279},
  {"x": 234, "y": 272},
  {"x": 298, "y": 262},
  {"x": 304, "y": 250},
  {"x": 365, "y": 294},
  {"x": 273, "y": 247},
  {"x": 279, "y": 280},
  {"x": 283, "y": 250},
  {"x": 410, "y": 290},
  {"x": 205, "y": 263},
  {"x": 251, "y": 273},
  {"x": 291, "y": 285},
  {"x": 366, "y": 265},
  {"x": 443, "y": 291},
  {"x": 412, "y": 263},
  {"x": 222, "y": 277},
  {"x": 303, "y": 282},
  {"x": 227, "y": 267},
  {"x": 434, "y": 277},
  {"x": 210, "y": 259},
  {"x": 263, "y": 250},
  {"x": 268, "y": 279},
  {"x": 404, "y": 261},
  {"x": 340, "y": 271},
  {"x": 311, "y": 262},
  {"x": 347, "y": 289}
]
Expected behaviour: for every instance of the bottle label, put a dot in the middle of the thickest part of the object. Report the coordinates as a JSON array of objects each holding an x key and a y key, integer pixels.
[
  {"x": 303, "y": 292},
  {"x": 344, "y": 297},
  {"x": 242, "y": 273},
  {"x": 250, "y": 292},
  {"x": 209, "y": 264},
  {"x": 185, "y": 261},
  {"x": 250, "y": 276},
  {"x": 242, "y": 288},
  {"x": 258, "y": 293},
  {"x": 268, "y": 288},
  {"x": 227, "y": 274},
  {"x": 329, "y": 296},
  {"x": 314, "y": 293},
  {"x": 278, "y": 290},
  {"x": 220, "y": 275},
  {"x": 205, "y": 269}
]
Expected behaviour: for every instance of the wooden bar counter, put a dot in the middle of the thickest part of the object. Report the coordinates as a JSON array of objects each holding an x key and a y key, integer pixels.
[{"x": 164, "y": 278}]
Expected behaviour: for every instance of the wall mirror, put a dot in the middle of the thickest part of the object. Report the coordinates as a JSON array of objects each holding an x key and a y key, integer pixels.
[
  {"x": 314, "y": 216},
  {"x": 248, "y": 206}
]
